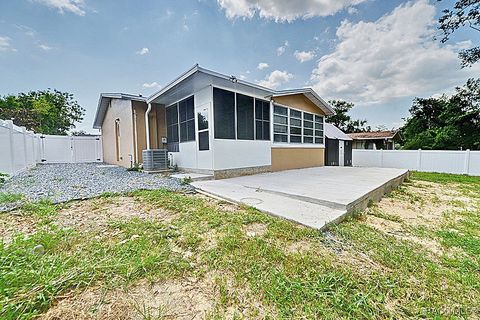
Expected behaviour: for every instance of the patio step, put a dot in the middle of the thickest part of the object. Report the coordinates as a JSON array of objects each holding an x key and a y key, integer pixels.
[
  {"x": 307, "y": 213},
  {"x": 192, "y": 176}
]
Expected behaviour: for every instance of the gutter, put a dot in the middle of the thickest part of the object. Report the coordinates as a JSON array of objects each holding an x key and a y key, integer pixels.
[{"x": 147, "y": 125}]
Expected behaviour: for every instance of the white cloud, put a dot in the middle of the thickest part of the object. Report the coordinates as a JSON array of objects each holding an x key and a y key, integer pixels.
[
  {"x": 45, "y": 47},
  {"x": 281, "y": 49},
  {"x": 304, "y": 56},
  {"x": 143, "y": 51},
  {"x": 262, "y": 65},
  {"x": 150, "y": 85},
  {"x": 352, "y": 10},
  {"x": 5, "y": 44},
  {"x": 275, "y": 79},
  {"x": 74, "y": 6},
  {"x": 284, "y": 10},
  {"x": 392, "y": 57}
]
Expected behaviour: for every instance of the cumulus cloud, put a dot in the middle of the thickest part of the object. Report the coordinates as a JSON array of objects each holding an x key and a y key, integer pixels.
[
  {"x": 281, "y": 49},
  {"x": 262, "y": 65},
  {"x": 5, "y": 44},
  {"x": 74, "y": 6},
  {"x": 143, "y": 51},
  {"x": 392, "y": 57},
  {"x": 150, "y": 85},
  {"x": 304, "y": 56},
  {"x": 44, "y": 47},
  {"x": 276, "y": 79},
  {"x": 284, "y": 10}
]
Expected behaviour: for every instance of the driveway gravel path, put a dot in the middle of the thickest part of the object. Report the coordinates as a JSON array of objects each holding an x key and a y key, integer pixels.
[{"x": 65, "y": 182}]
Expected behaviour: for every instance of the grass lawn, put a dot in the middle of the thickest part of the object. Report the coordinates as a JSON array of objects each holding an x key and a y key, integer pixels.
[{"x": 164, "y": 255}]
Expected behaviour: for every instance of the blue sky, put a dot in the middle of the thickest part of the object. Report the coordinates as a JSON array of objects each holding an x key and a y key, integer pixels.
[{"x": 377, "y": 54}]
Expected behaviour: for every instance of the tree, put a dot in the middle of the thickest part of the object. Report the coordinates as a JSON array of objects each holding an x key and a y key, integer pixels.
[
  {"x": 343, "y": 121},
  {"x": 446, "y": 122},
  {"x": 47, "y": 111},
  {"x": 464, "y": 13}
]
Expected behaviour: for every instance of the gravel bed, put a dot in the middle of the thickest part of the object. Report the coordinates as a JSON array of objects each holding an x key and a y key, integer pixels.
[{"x": 65, "y": 182}]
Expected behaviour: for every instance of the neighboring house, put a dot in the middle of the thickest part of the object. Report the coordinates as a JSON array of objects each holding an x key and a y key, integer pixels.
[
  {"x": 338, "y": 151},
  {"x": 376, "y": 140},
  {"x": 218, "y": 124}
]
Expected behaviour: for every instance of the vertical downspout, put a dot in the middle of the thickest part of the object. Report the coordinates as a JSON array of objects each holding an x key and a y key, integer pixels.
[
  {"x": 147, "y": 125},
  {"x": 135, "y": 136}
]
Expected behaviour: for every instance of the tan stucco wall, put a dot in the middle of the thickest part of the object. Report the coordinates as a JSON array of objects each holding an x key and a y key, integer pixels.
[
  {"x": 299, "y": 101},
  {"x": 157, "y": 127},
  {"x": 122, "y": 110},
  {"x": 296, "y": 158}
]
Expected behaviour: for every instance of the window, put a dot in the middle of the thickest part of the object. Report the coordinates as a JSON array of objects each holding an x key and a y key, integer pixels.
[
  {"x": 307, "y": 127},
  {"x": 203, "y": 137},
  {"x": 117, "y": 139},
  {"x": 319, "y": 129},
  {"x": 262, "y": 120},
  {"x": 295, "y": 126},
  {"x": 224, "y": 113},
  {"x": 172, "y": 128},
  {"x": 245, "y": 120},
  {"x": 280, "y": 124},
  {"x": 187, "y": 120}
]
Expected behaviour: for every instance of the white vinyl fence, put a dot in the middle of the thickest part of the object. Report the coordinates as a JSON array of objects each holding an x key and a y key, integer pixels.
[
  {"x": 22, "y": 149},
  {"x": 446, "y": 161}
]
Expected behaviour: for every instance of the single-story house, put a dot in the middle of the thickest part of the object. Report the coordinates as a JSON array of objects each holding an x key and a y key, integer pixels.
[
  {"x": 338, "y": 147},
  {"x": 376, "y": 140},
  {"x": 216, "y": 124}
]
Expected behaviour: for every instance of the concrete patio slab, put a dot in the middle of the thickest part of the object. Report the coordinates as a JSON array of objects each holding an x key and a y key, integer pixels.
[{"x": 314, "y": 197}]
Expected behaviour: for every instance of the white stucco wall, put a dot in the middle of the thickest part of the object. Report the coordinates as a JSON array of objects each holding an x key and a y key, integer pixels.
[{"x": 232, "y": 154}]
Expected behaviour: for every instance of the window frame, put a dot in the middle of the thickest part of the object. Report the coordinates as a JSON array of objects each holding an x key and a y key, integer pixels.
[
  {"x": 302, "y": 143},
  {"x": 176, "y": 104},
  {"x": 254, "y": 120}
]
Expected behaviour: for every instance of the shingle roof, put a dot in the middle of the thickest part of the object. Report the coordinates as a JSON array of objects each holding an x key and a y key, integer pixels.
[{"x": 373, "y": 135}]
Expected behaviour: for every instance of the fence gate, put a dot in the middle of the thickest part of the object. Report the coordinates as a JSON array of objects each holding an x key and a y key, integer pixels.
[{"x": 71, "y": 149}]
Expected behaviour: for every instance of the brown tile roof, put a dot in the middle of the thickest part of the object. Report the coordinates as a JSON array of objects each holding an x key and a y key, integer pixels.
[{"x": 373, "y": 135}]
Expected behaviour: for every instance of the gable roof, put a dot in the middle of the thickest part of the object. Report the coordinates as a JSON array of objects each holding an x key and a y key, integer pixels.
[
  {"x": 104, "y": 101},
  {"x": 204, "y": 75},
  {"x": 332, "y": 132},
  {"x": 390, "y": 134}
]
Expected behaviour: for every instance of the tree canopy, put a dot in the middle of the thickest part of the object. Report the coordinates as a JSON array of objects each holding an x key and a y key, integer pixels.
[
  {"x": 446, "y": 122},
  {"x": 465, "y": 13},
  {"x": 46, "y": 111},
  {"x": 342, "y": 120}
]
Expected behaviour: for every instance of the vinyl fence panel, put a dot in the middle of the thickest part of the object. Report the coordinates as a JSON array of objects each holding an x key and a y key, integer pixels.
[
  {"x": 446, "y": 161},
  {"x": 22, "y": 149}
]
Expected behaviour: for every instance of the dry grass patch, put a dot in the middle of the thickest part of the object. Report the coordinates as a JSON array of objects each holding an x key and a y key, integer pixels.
[{"x": 172, "y": 299}]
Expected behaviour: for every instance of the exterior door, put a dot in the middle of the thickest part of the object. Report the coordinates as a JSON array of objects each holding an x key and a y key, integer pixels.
[
  {"x": 331, "y": 152},
  {"x": 348, "y": 153},
  {"x": 341, "y": 153}
]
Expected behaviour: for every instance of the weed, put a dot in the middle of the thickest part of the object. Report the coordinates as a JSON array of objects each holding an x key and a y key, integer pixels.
[{"x": 10, "y": 197}]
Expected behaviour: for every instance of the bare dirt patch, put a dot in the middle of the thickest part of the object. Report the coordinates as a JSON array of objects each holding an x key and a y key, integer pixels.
[
  {"x": 96, "y": 214},
  {"x": 299, "y": 247},
  {"x": 12, "y": 223},
  {"x": 172, "y": 299},
  {"x": 255, "y": 229}
]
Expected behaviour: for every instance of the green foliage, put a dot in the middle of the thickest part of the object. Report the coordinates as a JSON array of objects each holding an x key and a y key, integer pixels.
[
  {"x": 10, "y": 197},
  {"x": 187, "y": 180},
  {"x": 465, "y": 13},
  {"x": 3, "y": 178},
  {"x": 135, "y": 167},
  {"x": 446, "y": 122},
  {"x": 343, "y": 121},
  {"x": 46, "y": 111}
]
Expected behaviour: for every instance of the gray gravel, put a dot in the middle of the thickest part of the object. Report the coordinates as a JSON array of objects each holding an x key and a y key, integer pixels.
[{"x": 65, "y": 182}]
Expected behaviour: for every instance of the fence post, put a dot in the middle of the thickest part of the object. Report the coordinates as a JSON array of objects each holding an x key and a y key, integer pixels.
[
  {"x": 24, "y": 133},
  {"x": 381, "y": 158},
  {"x": 12, "y": 150},
  {"x": 466, "y": 163},
  {"x": 419, "y": 160}
]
